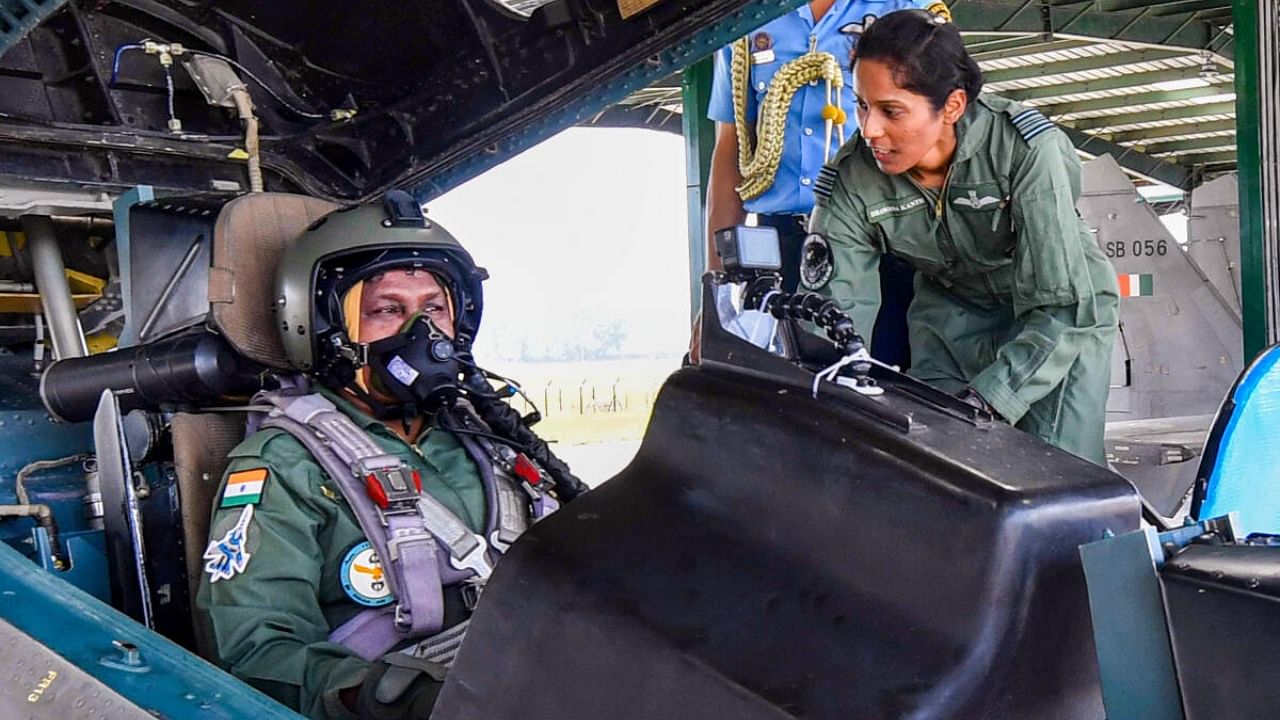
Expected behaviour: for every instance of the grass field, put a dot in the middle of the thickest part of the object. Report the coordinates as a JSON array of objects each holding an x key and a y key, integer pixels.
[{"x": 593, "y": 401}]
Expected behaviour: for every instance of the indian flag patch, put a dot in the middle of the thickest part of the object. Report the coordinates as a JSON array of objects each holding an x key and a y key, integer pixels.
[
  {"x": 244, "y": 488},
  {"x": 1135, "y": 285}
]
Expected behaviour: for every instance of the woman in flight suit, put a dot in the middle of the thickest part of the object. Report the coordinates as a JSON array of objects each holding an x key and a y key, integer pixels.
[{"x": 1015, "y": 306}]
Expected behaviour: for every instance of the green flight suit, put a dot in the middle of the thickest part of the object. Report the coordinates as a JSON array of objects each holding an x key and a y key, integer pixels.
[
  {"x": 270, "y": 622},
  {"x": 1012, "y": 296}
]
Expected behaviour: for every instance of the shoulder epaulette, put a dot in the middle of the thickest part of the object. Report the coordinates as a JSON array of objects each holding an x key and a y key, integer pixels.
[
  {"x": 826, "y": 182},
  {"x": 1031, "y": 123}
]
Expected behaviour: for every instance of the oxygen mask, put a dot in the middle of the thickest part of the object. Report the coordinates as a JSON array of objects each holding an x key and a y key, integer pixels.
[{"x": 417, "y": 366}]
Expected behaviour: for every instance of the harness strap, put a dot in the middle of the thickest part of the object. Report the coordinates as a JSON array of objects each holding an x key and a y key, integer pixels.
[
  {"x": 422, "y": 545},
  {"x": 402, "y": 540},
  {"x": 441, "y": 648}
]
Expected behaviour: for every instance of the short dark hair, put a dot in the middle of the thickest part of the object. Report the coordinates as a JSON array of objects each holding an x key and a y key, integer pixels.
[{"x": 925, "y": 53}]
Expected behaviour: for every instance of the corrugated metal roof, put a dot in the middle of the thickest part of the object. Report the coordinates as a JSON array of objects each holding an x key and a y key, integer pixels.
[{"x": 1151, "y": 64}]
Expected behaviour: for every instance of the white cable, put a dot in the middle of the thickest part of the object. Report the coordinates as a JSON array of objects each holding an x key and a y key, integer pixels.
[{"x": 830, "y": 372}]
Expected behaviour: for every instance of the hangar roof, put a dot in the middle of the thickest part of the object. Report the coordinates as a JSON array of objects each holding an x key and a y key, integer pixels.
[{"x": 1148, "y": 81}]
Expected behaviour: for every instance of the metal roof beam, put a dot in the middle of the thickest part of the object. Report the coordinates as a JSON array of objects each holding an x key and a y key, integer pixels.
[
  {"x": 1002, "y": 42},
  {"x": 1215, "y": 158},
  {"x": 1096, "y": 62},
  {"x": 1218, "y": 14},
  {"x": 1135, "y": 100},
  {"x": 1172, "y": 131},
  {"x": 1161, "y": 7},
  {"x": 1085, "y": 19},
  {"x": 1023, "y": 48},
  {"x": 1188, "y": 6},
  {"x": 1182, "y": 146},
  {"x": 1111, "y": 83},
  {"x": 1148, "y": 167},
  {"x": 1145, "y": 116}
]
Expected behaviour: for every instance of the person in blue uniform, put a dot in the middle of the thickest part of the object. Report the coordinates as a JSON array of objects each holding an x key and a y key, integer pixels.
[{"x": 784, "y": 200}]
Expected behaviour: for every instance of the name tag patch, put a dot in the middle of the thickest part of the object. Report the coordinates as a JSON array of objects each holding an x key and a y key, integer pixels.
[
  {"x": 363, "y": 578},
  {"x": 894, "y": 208}
]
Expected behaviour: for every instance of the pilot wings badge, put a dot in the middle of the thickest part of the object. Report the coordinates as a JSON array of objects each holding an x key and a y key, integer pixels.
[
  {"x": 229, "y": 555},
  {"x": 975, "y": 202}
]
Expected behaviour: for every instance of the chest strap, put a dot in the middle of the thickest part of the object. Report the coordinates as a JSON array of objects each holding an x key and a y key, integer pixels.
[{"x": 409, "y": 529}]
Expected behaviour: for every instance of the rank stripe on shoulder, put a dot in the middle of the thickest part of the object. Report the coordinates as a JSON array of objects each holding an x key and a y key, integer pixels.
[
  {"x": 826, "y": 182},
  {"x": 1031, "y": 123}
]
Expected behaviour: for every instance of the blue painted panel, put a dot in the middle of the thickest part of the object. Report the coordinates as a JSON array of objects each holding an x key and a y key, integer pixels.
[
  {"x": 86, "y": 555},
  {"x": 1246, "y": 475},
  {"x": 176, "y": 684}
]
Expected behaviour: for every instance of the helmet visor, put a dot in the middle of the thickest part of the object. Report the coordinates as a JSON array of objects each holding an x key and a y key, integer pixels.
[{"x": 353, "y": 306}]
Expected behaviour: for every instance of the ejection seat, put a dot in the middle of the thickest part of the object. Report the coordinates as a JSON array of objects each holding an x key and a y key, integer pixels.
[{"x": 249, "y": 236}]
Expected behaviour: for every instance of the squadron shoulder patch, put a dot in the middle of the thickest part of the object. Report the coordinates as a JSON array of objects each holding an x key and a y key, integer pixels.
[
  {"x": 229, "y": 555},
  {"x": 1032, "y": 123},
  {"x": 244, "y": 487},
  {"x": 363, "y": 578},
  {"x": 816, "y": 262}
]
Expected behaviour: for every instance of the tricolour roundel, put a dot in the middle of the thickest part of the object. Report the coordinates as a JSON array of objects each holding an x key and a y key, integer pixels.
[{"x": 363, "y": 578}]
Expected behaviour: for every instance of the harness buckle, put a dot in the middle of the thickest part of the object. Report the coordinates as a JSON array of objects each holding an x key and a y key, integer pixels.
[
  {"x": 470, "y": 592},
  {"x": 401, "y": 618},
  {"x": 474, "y": 559},
  {"x": 394, "y": 489}
]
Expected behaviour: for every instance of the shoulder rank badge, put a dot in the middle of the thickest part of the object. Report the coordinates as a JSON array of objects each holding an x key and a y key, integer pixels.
[
  {"x": 363, "y": 578},
  {"x": 244, "y": 488},
  {"x": 816, "y": 263},
  {"x": 229, "y": 555},
  {"x": 826, "y": 182},
  {"x": 1031, "y": 123}
]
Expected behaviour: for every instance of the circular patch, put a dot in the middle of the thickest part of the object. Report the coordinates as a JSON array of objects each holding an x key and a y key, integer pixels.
[
  {"x": 761, "y": 41},
  {"x": 941, "y": 10},
  {"x": 363, "y": 578},
  {"x": 816, "y": 262}
]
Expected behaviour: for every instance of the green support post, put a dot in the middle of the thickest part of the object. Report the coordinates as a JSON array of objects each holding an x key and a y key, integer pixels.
[
  {"x": 1249, "y": 109},
  {"x": 699, "y": 139}
]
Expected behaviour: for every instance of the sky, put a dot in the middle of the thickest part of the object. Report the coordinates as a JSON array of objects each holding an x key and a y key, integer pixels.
[
  {"x": 585, "y": 238},
  {"x": 585, "y": 231}
]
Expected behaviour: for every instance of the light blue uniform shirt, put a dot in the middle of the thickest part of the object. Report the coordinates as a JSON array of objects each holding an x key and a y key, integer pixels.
[{"x": 788, "y": 38}]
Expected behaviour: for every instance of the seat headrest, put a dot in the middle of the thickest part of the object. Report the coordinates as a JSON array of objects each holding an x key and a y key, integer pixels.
[{"x": 249, "y": 238}]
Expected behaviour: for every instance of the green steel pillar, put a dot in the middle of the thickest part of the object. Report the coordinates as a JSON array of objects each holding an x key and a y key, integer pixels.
[
  {"x": 1255, "y": 61},
  {"x": 699, "y": 139}
]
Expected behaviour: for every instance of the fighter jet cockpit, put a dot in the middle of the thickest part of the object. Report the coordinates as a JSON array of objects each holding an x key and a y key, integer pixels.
[{"x": 805, "y": 532}]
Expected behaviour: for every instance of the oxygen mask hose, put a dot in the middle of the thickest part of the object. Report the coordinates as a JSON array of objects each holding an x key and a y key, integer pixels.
[{"x": 504, "y": 421}]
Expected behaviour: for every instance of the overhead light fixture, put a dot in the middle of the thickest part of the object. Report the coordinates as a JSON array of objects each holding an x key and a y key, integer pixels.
[{"x": 1208, "y": 69}]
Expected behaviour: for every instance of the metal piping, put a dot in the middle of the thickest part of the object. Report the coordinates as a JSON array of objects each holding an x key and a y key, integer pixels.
[
  {"x": 55, "y": 292},
  {"x": 43, "y": 515}
]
